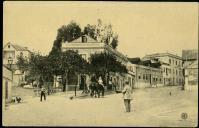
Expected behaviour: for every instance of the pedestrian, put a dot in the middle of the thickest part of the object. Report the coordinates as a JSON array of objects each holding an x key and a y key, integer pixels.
[
  {"x": 127, "y": 96},
  {"x": 101, "y": 86},
  {"x": 43, "y": 91}
]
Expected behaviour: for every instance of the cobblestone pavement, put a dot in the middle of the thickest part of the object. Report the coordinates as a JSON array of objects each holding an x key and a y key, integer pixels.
[{"x": 150, "y": 107}]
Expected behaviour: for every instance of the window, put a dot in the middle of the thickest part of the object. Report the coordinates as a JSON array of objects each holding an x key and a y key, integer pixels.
[
  {"x": 139, "y": 77},
  {"x": 146, "y": 77},
  {"x": 8, "y": 46},
  {"x": 84, "y": 39},
  {"x": 176, "y": 62},
  {"x": 160, "y": 79},
  {"x": 143, "y": 76},
  {"x": 169, "y": 61},
  {"x": 176, "y": 72}
]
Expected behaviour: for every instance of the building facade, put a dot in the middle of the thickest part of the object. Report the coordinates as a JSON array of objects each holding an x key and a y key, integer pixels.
[
  {"x": 191, "y": 76},
  {"x": 7, "y": 83},
  {"x": 190, "y": 65},
  {"x": 148, "y": 73},
  {"x": 148, "y": 77},
  {"x": 86, "y": 46},
  {"x": 172, "y": 66},
  {"x": 11, "y": 52}
]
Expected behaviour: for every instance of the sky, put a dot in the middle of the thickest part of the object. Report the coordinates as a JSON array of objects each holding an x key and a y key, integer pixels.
[{"x": 143, "y": 28}]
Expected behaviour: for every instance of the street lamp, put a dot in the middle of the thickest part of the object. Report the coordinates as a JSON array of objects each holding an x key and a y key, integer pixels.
[{"x": 10, "y": 61}]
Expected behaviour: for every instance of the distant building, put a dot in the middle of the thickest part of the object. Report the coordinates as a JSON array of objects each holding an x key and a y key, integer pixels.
[
  {"x": 171, "y": 67},
  {"x": 190, "y": 65},
  {"x": 148, "y": 73},
  {"x": 12, "y": 51},
  {"x": 189, "y": 56},
  {"x": 191, "y": 76},
  {"x": 6, "y": 85},
  {"x": 85, "y": 45}
]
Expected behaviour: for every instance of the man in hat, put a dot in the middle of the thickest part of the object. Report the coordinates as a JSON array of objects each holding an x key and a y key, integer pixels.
[{"x": 127, "y": 96}]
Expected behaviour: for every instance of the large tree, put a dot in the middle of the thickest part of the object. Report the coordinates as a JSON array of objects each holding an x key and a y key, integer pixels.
[
  {"x": 66, "y": 63},
  {"x": 103, "y": 33},
  {"x": 102, "y": 64},
  {"x": 66, "y": 33},
  {"x": 36, "y": 66}
]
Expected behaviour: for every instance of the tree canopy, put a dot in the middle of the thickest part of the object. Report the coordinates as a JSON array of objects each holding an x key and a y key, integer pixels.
[
  {"x": 103, "y": 33},
  {"x": 66, "y": 33},
  {"x": 103, "y": 63}
]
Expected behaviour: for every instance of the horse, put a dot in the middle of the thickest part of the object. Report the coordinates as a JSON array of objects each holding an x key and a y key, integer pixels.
[
  {"x": 100, "y": 89},
  {"x": 94, "y": 89}
]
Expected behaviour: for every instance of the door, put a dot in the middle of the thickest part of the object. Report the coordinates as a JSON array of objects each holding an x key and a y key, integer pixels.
[{"x": 6, "y": 89}]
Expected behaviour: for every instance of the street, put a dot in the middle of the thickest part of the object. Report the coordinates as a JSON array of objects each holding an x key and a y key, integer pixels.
[{"x": 150, "y": 107}]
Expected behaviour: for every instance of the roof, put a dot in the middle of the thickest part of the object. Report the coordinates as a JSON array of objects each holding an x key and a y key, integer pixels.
[
  {"x": 190, "y": 54},
  {"x": 79, "y": 40},
  {"x": 163, "y": 54},
  {"x": 91, "y": 43},
  {"x": 134, "y": 60},
  {"x": 18, "y": 47}
]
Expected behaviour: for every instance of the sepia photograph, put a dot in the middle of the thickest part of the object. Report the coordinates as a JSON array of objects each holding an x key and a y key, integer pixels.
[{"x": 100, "y": 63}]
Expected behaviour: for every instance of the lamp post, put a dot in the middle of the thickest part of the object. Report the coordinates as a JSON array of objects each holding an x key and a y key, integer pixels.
[{"x": 10, "y": 61}]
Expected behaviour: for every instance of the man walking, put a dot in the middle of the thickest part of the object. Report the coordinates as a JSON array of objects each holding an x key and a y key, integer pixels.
[
  {"x": 127, "y": 96},
  {"x": 43, "y": 91}
]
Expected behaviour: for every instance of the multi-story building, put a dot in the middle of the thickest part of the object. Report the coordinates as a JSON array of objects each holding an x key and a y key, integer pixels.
[
  {"x": 189, "y": 56},
  {"x": 148, "y": 73},
  {"x": 191, "y": 76},
  {"x": 190, "y": 65},
  {"x": 11, "y": 52},
  {"x": 86, "y": 46},
  {"x": 171, "y": 66}
]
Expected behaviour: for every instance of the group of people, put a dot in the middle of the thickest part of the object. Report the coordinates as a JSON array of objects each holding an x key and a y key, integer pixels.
[{"x": 96, "y": 88}]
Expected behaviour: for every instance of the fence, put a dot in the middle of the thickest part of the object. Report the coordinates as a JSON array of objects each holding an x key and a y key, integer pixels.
[{"x": 49, "y": 87}]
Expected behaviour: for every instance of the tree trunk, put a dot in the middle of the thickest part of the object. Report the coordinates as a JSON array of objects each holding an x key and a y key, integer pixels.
[{"x": 65, "y": 83}]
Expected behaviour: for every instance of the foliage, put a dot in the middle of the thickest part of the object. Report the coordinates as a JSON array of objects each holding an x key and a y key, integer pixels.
[
  {"x": 66, "y": 33},
  {"x": 37, "y": 66},
  {"x": 22, "y": 63},
  {"x": 63, "y": 63},
  {"x": 102, "y": 33},
  {"x": 58, "y": 63},
  {"x": 103, "y": 63}
]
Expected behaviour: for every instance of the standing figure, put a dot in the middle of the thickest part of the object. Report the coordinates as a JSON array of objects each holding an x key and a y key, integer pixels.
[
  {"x": 43, "y": 91},
  {"x": 127, "y": 96},
  {"x": 101, "y": 86}
]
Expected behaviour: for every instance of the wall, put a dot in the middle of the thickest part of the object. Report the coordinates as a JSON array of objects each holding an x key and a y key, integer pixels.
[
  {"x": 7, "y": 80},
  {"x": 148, "y": 77},
  {"x": 191, "y": 76},
  {"x": 173, "y": 78}
]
